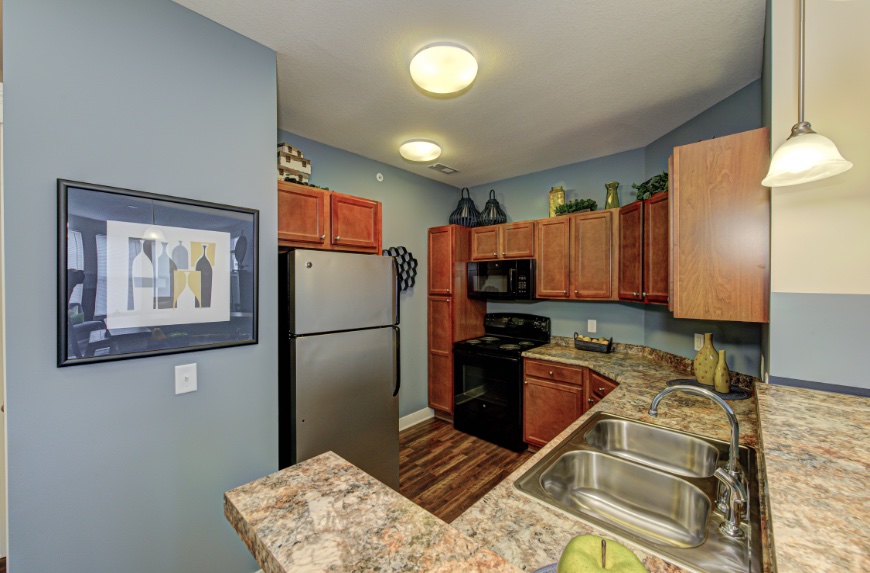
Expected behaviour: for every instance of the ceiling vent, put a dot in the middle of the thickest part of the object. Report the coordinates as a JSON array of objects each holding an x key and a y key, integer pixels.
[{"x": 443, "y": 169}]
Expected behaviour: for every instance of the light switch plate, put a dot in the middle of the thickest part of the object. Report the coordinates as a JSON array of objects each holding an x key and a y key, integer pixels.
[
  {"x": 699, "y": 341},
  {"x": 592, "y": 326},
  {"x": 185, "y": 378}
]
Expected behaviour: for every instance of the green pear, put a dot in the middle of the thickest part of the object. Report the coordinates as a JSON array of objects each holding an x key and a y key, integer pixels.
[{"x": 583, "y": 555}]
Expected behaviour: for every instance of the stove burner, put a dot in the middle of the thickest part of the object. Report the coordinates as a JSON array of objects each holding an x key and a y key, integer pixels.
[
  {"x": 475, "y": 341},
  {"x": 510, "y": 346},
  {"x": 489, "y": 339},
  {"x": 526, "y": 343}
]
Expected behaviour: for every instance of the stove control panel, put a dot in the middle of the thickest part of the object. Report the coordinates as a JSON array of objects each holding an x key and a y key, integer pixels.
[{"x": 518, "y": 325}]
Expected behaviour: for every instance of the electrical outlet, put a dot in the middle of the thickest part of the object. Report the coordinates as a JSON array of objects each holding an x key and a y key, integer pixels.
[
  {"x": 592, "y": 326},
  {"x": 185, "y": 378},
  {"x": 699, "y": 341}
]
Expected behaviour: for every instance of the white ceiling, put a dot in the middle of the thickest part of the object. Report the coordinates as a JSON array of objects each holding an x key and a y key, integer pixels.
[{"x": 560, "y": 81}]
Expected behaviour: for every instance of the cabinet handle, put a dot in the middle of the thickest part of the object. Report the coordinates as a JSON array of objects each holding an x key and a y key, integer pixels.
[{"x": 322, "y": 237}]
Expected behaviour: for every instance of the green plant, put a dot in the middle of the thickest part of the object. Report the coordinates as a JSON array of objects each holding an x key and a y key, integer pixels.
[
  {"x": 576, "y": 205},
  {"x": 653, "y": 185}
]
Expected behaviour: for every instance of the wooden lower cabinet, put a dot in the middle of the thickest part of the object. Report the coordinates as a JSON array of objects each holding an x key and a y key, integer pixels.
[
  {"x": 441, "y": 353},
  {"x": 553, "y": 398},
  {"x": 597, "y": 387}
]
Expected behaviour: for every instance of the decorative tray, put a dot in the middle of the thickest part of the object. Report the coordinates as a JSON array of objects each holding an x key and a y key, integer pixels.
[{"x": 594, "y": 345}]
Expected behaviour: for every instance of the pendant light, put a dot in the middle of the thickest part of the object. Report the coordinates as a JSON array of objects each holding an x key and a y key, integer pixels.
[{"x": 805, "y": 156}]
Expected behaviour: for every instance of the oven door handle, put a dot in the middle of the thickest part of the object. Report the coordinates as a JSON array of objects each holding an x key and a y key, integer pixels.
[{"x": 477, "y": 355}]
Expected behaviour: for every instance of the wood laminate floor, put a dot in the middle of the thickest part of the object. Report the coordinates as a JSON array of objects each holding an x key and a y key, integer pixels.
[{"x": 446, "y": 471}]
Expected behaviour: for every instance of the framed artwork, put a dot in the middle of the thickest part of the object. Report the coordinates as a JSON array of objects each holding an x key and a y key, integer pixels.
[{"x": 141, "y": 274}]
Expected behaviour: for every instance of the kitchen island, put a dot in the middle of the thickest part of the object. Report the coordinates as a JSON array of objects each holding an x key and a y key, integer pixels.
[{"x": 325, "y": 515}]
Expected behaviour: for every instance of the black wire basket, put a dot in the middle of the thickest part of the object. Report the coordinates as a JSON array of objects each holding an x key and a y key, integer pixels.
[
  {"x": 466, "y": 214},
  {"x": 492, "y": 213}
]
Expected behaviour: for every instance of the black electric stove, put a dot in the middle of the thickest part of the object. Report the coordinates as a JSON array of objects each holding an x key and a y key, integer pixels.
[{"x": 488, "y": 377}]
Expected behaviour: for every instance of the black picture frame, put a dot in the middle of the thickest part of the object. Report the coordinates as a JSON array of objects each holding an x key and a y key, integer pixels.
[{"x": 122, "y": 295}]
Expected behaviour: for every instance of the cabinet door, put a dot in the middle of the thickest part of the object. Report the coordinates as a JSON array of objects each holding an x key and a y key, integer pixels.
[
  {"x": 591, "y": 249},
  {"x": 656, "y": 248},
  {"x": 721, "y": 221},
  {"x": 552, "y": 257},
  {"x": 631, "y": 251},
  {"x": 441, "y": 354},
  {"x": 597, "y": 387},
  {"x": 356, "y": 223},
  {"x": 518, "y": 240},
  {"x": 548, "y": 408},
  {"x": 484, "y": 243},
  {"x": 441, "y": 260},
  {"x": 302, "y": 214}
]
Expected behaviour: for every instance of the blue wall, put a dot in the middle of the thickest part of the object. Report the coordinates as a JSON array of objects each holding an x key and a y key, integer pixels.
[
  {"x": 411, "y": 204},
  {"x": 109, "y": 470},
  {"x": 525, "y": 197}
]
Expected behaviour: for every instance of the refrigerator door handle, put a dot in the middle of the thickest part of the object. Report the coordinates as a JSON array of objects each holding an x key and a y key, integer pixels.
[{"x": 398, "y": 361}]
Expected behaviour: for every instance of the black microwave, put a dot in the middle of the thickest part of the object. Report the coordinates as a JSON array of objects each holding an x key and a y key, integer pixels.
[{"x": 502, "y": 280}]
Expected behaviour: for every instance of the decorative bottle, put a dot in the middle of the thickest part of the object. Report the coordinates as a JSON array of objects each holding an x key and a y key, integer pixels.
[
  {"x": 612, "y": 201},
  {"x": 705, "y": 361},
  {"x": 722, "y": 376}
]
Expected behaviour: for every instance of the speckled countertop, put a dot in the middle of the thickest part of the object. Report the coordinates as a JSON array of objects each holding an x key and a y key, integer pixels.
[
  {"x": 530, "y": 534},
  {"x": 326, "y": 514},
  {"x": 817, "y": 451}
]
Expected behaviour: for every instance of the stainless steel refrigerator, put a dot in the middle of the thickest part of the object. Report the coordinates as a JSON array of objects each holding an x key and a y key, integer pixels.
[{"x": 338, "y": 366}]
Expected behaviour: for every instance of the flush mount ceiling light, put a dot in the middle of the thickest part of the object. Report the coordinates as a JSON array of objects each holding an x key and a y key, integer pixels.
[
  {"x": 443, "y": 68},
  {"x": 420, "y": 150},
  {"x": 805, "y": 156}
]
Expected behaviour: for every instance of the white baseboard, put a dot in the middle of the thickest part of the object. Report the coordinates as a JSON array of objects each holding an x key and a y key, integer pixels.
[{"x": 415, "y": 418}]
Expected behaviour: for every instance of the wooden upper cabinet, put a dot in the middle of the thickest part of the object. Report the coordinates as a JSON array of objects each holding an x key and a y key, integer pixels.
[
  {"x": 441, "y": 260},
  {"x": 721, "y": 228},
  {"x": 631, "y": 251},
  {"x": 507, "y": 241},
  {"x": 319, "y": 219},
  {"x": 591, "y": 252},
  {"x": 484, "y": 243},
  {"x": 656, "y": 249},
  {"x": 553, "y": 238},
  {"x": 356, "y": 223},
  {"x": 518, "y": 240},
  {"x": 303, "y": 213}
]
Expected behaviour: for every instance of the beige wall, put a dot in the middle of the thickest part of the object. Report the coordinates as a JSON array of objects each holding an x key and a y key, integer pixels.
[{"x": 821, "y": 230}]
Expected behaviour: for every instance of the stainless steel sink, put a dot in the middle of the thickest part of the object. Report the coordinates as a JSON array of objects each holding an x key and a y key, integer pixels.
[
  {"x": 650, "y": 486},
  {"x": 673, "y": 452},
  {"x": 658, "y": 506}
]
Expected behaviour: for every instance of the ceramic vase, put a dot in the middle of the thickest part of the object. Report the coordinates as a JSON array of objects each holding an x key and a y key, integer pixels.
[
  {"x": 612, "y": 200},
  {"x": 705, "y": 361},
  {"x": 722, "y": 376},
  {"x": 557, "y": 197}
]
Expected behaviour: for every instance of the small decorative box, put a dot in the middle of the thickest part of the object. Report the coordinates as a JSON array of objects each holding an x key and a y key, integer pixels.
[{"x": 592, "y": 346}]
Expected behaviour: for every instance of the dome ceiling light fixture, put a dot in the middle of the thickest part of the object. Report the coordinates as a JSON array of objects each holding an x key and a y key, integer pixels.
[
  {"x": 805, "y": 156},
  {"x": 443, "y": 68},
  {"x": 420, "y": 150}
]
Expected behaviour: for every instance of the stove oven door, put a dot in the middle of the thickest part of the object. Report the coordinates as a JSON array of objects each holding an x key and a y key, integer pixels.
[{"x": 488, "y": 397}]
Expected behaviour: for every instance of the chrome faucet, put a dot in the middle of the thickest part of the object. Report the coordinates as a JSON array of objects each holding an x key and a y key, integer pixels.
[
  {"x": 737, "y": 498},
  {"x": 733, "y": 469}
]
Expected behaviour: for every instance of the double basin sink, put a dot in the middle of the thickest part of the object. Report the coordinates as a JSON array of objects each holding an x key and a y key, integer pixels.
[{"x": 651, "y": 486}]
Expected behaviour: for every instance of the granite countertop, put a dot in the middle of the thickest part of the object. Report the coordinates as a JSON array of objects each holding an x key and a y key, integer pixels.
[
  {"x": 817, "y": 451},
  {"x": 326, "y": 514},
  {"x": 530, "y": 534}
]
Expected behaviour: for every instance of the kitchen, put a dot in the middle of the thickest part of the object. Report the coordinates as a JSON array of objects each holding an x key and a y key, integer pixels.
[{"x": 246, "y": 451}]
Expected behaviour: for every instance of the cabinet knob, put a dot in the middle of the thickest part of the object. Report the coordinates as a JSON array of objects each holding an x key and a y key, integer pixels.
[
  {"x": 322, "y": 237},
  {"x": 591, "y": 401},
  {"x": 644, "y": 294},
  {"x": 502, "y": 253},
  {"x": 601, "y": 389},
  {"x": 576, "y": 291},
  {"x": 337, "y": 238},
  {"x": 551, "y": 372},
  {"x": 495, "y": 254},
  {"x": 525, "y": 381},
  {"x": 635, "y": 294}
]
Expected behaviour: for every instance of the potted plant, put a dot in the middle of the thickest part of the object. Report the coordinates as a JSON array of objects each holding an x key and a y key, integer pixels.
[
  {"x": 653, "y": 185},
  {"x": 577, "y": 206}
]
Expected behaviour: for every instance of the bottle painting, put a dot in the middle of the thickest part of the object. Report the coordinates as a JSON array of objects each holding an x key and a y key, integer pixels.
[{"x": 205, "y": 273}]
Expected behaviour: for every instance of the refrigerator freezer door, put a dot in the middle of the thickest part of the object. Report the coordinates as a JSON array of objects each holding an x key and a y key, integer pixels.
[
  {"x": 344, "y": 400},
  {"x": 331, "y": 291}
]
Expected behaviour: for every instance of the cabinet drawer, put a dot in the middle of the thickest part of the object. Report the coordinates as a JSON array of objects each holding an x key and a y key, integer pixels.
[
  {"x": 600, "y": 386},
  {"x": 553, "y": 371}
]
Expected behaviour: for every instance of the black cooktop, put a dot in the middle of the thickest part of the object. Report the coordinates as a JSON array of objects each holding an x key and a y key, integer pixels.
[{"x": 509, "y": 334}]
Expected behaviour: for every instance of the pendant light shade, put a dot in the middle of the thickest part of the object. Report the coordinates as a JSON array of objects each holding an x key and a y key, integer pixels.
[{"x": 805, "y": 156}]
